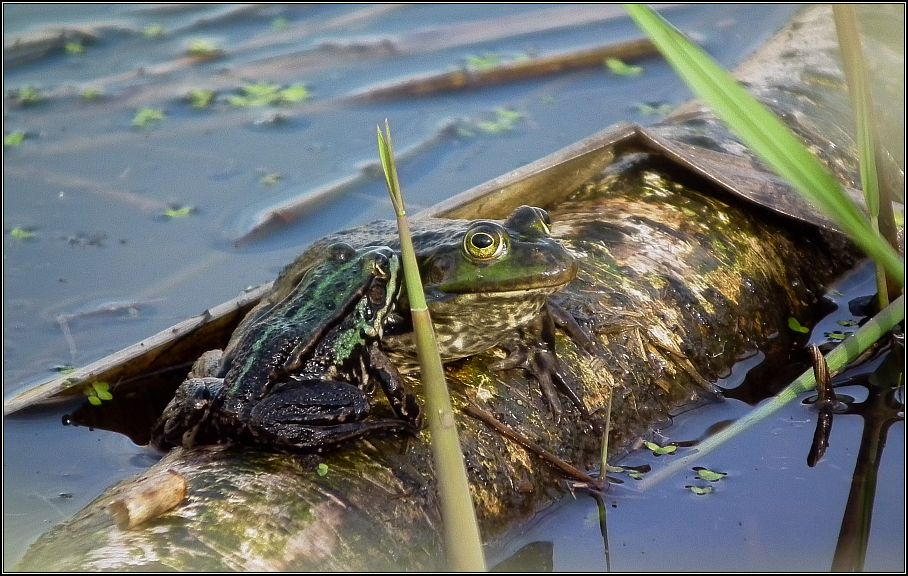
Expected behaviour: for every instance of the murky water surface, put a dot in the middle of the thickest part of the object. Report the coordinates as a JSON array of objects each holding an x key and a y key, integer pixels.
[{"x": 118, "y": 223}]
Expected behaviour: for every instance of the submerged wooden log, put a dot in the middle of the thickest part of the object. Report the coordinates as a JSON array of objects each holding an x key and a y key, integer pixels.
[{"x": 678, "y": 278}]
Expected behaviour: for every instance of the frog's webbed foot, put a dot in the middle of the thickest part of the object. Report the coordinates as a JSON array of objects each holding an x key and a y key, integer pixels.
[
  {"x": 186, "y": 419},
  {"x": 310, "y": 415},
  {"x": 534, "y": 351}
]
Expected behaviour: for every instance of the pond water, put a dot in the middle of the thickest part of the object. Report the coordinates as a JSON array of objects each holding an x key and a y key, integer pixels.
[{"x": 118, "y": 224}]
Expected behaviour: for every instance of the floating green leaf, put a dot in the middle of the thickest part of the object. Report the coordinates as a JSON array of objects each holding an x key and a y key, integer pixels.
[
  {"x": 200, "y": 98},
  {"x": 91, "y": 94},
  {"x": 709, "y": 475},
  {"x": 203, "y": 49},
  {"x": 660, "y": 450},
  {"x": 13, "y": 139},
  {"x": 795, "y": 326},
  {"x": 487, "y": 61},
  {"x": 28, "y": 95},
  {"x": 635, "y": 475},
  {"x": 181, "y": 212},
  {"x": 847, "y": 323},
  {"x": 295, "y": 93},
  {"x": 21, "y": 233},
  {"x": 74, "y": 48},
  {"x": 102, "y": 390},
  {"x": 264, "y": 94},
  {"x": 153, "y": 31},
  {"x": 322, "y": 469},
  {"x": 505, "y": 121},
  {"x": 618, "y": 67},
  {"x": 145, "y": 117},
  {"x": 280, "y": 23},
  {"x": 654, "y": 108},
  {"x": 97, "y": 392},
  {"x": 837, "y": 335},
  {"x": 700, "y": 490},
  {"x": 270, "y": 179}
]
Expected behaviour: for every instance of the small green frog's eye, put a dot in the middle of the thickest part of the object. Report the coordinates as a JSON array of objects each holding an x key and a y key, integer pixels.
[
  {"x": 341, "y": 252},
  {"x": 485, "y": 241}
]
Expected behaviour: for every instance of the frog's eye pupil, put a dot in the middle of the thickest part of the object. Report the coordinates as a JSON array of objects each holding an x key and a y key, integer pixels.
[
  {"x": 482, "y": 240},
  {"x": 485, "y": 242}
]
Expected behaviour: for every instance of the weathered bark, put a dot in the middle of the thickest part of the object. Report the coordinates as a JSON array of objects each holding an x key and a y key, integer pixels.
[{"x": 677, "y": 280}]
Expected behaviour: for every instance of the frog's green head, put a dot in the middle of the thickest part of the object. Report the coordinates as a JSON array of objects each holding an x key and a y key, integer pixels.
[
  {"x": 516, "y": 256},
  {"x": 485, "y": 278}
]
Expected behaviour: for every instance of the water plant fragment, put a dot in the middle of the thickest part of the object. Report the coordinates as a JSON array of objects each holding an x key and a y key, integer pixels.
[
  {"x": 179, "y": 212},
  {"x": 700, "y": 490},
  {"x": 322, "y": 469},
  {"x": 796, "y": 326},
  {"x": 21, "y": 233},
  {"x": 709, "y": 475},
  {"x": 97, "y": 392},
  {"x": 203, "y": 50},
  {"x": 660, "y": 450},
  {"x": 153, "y": 31},
  {"x": 146, "y": 117},
  {"x": 620, "y": 68},
  {"x": 74, "y": 48},
  {"x": 265, "y": 94},
  {"x": 200, "y": 99},
  {"x": 13, "y": 139},
  {"x": 27, "y": 96}
]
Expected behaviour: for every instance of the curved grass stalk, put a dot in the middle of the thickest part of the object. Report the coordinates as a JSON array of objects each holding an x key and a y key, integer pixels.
[
  {"x": 462, "y": 541},
  {"x": 766, "y": 135}
]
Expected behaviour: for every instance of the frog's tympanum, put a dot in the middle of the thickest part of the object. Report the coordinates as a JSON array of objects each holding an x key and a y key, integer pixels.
[{"x": 297, "y": 372}]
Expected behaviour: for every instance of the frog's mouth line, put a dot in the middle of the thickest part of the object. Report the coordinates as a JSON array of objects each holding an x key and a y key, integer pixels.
[{"x": 502, "y": 295}]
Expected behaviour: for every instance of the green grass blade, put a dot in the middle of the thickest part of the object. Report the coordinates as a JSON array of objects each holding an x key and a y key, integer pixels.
[
  {"x": 861, "y": 102},
  {"x": 765, "y": 134},
  {"x": 859, "y": 90},
  {"x": 462, "y": 540}
]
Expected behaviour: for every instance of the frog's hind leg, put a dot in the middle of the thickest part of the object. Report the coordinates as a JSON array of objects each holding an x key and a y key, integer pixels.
[{"x": 310, "y": 415}]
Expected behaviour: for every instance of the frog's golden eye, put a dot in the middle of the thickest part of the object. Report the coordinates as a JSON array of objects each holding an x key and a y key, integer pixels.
[{"x": 485, "y": 241}]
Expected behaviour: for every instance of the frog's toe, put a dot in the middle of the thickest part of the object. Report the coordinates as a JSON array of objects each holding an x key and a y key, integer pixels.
[
  {"x": 516, "y": 358},
  {"x": 545, "y": 368}
]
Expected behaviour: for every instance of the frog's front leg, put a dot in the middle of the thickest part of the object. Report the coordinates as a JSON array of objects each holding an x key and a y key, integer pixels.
[
  {"x": 399, "y": 394},
  {"x": 534, "y": 351},
  {"x": 186, "y": 421},
  {"x": 309, "y": 415}
]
